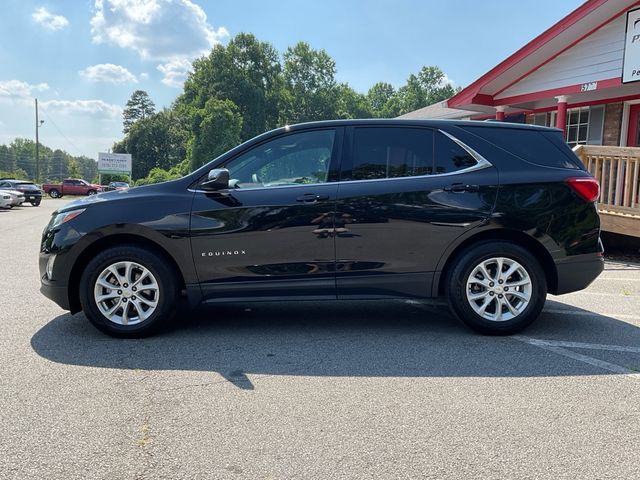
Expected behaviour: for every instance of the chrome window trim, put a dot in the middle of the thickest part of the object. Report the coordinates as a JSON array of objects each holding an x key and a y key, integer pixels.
[{"x": 481, "y": 164}]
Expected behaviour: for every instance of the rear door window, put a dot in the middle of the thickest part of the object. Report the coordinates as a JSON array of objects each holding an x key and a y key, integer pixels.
[
  {"x": 389, "y": 152},
  {"x": 541, "y": 147}
]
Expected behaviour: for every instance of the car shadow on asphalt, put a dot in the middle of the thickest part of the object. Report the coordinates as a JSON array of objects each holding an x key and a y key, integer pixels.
[{"x": 368, "y": 339}]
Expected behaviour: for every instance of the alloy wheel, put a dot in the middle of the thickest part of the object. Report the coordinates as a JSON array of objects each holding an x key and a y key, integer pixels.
[
  {"x": 126, "y": 293},
  {"x": 499, "y": 289}
]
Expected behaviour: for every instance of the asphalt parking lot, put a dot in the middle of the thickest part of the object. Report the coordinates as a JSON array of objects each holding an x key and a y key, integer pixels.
[{"x": 316, "y": 390}]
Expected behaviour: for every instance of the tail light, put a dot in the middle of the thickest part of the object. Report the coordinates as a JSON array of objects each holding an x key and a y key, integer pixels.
[{"x": 587, "y": 187}]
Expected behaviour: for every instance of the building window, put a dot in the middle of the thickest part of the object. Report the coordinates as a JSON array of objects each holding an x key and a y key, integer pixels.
[
  {"x": 584, "y": 125},
  {"x": 540, "y": 119},
  {"x": 577, "y": 126}
]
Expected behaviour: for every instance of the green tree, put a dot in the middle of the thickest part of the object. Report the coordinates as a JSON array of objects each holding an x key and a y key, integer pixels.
[
  {"x": 74, "y": 171},
  {"x": 382, "y": 100},
  {"x": 59, "y": 165},
  {"x": 248, "y": 73},
  {"x": 426, "y": 88},
  {"x": 217, "y": 128},
  {"x": 7, "y": 159},
  {"x": 351, "y": 104},
  {"x": 138, "y": 107},
  {"x": 309, "y": 85},
  {"x": 157, "y": 141}
]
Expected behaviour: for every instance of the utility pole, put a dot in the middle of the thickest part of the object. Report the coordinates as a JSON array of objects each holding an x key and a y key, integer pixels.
[
  {"x": 37, "y": 152},
  {"x": 38, "y": 125}
]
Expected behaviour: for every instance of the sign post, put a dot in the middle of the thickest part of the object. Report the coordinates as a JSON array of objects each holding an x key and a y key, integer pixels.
[{"x": 114, "y": 163}]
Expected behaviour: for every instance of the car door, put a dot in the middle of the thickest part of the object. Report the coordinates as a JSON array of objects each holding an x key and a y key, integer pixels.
[
  {"x": 69, "y": 187},
  {"x": 404, "y": 195},
  {"x": 271, "y": 233}
]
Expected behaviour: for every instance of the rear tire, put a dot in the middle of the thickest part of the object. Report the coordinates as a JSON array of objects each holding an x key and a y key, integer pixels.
[
  {"x": 129, "y": 292},
  {"x": 54, "y": 193},
  {"x": 496, "y": 288}
]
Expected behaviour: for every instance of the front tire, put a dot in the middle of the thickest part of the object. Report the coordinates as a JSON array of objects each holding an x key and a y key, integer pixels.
[
  {"x": 496, "y": 288},
  {"x": 92, "y": 192},
  {"x": 36, "y": 203},
  {"x": 129, "y": 292}
]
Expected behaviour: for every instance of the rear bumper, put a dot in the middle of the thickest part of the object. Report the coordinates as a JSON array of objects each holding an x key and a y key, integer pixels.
[{"x": 578, "y": 272}]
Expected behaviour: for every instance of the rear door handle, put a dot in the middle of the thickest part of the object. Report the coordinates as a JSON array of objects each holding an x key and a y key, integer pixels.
[
  {"x": 311, "y": 198},
  {"x": 461, "y": 187}
]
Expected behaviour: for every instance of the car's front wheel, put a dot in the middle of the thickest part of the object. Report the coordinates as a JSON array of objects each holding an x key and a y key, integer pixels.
[
  {"x": 128, "y": 291},
  {"x": 496, "y": 288}
]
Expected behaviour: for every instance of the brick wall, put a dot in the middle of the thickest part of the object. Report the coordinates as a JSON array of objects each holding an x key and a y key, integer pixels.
[{"x": 612, "y": 124}]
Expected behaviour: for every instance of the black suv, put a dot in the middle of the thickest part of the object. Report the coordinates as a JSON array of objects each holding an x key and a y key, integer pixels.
[
  {"x": 32, "y": 193},
  {"x": 491, "y": 215}
]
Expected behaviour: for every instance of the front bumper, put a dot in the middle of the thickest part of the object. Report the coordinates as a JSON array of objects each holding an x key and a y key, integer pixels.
[
  {"x": 59, "y": 294},
  {"x": 578, "y": 272}
]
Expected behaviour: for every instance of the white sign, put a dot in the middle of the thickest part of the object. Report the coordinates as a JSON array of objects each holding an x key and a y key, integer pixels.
[
  {"x": 114, "y": 163},
  {"x": 631, "y": 64}
]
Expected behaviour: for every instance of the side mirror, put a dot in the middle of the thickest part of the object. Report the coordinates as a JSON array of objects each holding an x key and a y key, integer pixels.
[{"x": 218, "y": 179}]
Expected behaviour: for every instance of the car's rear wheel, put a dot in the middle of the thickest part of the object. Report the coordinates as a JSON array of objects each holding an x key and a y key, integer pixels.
[
  {"x": 128, "y": 291},
  {"x": 496, "y": 288},
  {"x": 54, "y": 193}
]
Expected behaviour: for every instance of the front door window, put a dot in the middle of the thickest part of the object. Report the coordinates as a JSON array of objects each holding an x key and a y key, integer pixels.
[{"x": 296, "y": 159}]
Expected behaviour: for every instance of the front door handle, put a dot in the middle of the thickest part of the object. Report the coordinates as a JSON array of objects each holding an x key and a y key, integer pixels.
[
  {"x": 461, "y": 187},
  {"x": 311, "y": 198}
]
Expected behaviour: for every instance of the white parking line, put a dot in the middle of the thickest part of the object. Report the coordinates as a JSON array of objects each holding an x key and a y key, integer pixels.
[
  {"x": 557, "y": 347},
  {"x": 585, "y": 313}
]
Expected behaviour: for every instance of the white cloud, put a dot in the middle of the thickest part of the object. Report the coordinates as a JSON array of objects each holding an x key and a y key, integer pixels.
[
  {"x": 89, "y": 108},
  {"x": 48, "y": 20},
  {"x": 171, "y": 32},
  {"x": 175, "y": 71},
  {"x": 144, "y": 75},
  {"x": 446, "y": 81},
  {"x": 18, "y": 89},
  {"x": 110, "y": 73}
]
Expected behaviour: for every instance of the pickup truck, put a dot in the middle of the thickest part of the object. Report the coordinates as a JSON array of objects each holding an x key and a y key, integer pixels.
[{"x": 71, "y": 186}]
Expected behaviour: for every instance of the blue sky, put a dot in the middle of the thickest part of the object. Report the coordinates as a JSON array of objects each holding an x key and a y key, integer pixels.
[{"x": 83, "y": 58}]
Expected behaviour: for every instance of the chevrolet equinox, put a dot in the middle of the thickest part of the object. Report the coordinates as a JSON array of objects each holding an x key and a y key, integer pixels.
[{"x": 492, "y": 216}]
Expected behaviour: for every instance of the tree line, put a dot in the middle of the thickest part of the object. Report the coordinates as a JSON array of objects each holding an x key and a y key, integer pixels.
[
  {"x": 18, "y": 160},
  {"x": 245, "y": 88}
]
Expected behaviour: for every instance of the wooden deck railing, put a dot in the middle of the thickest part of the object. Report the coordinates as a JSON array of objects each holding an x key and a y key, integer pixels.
[{"x": 618, "y": 171}]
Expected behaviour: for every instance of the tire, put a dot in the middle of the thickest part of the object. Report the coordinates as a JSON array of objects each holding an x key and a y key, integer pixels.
[
  {"x": 36, "y": 203},
  {"x": 505, "y": 313},
  {"x": 54, "y": 193},
  {"x": 156, "y": 295},
  {"x": 91, "y": 192}
]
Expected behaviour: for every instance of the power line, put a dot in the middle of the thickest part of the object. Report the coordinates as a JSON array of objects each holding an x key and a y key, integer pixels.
[{"x": 55, "y": 125}]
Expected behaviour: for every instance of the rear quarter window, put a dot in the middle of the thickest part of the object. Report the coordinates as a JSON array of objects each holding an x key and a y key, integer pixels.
[{"x": 540, "y": 147}]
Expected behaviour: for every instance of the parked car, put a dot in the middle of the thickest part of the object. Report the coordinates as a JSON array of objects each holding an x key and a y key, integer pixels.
[
  {"x": 492, "y": 216},
  {"x": 5, "y": 200},
  {"x": 71, "y": 186},
  {"x": 116, "y": 186},
  {"x": 17, "y": 198},
  {"x": 31, "y": 192}
]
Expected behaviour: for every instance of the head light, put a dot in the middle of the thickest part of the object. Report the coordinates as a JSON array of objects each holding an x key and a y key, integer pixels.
[{"x": 64, "y": 217}]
